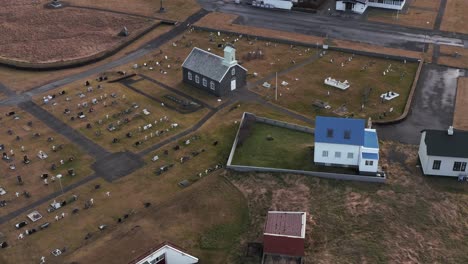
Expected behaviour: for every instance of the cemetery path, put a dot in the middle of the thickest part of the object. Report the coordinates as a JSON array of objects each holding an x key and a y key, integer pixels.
[
  {"x": 4, "y": 90},
  {"x": 58, "y": 126},
  {"x": 55, "y": 195},
  {"x": 113, "y": 11},
  {"x": 440, "y": 14}
]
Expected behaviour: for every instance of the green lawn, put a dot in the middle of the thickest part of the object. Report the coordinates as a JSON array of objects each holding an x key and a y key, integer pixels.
[{"x": 289, "y": 149}]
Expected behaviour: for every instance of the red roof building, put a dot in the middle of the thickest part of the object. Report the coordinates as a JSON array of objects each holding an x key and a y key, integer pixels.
[{"x": 284, "y": 234}]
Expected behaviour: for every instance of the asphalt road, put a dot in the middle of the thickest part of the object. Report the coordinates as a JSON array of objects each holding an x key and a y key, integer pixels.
[
  {"x": 337, "y": 27},
  {"x": 432, "y": 108}
]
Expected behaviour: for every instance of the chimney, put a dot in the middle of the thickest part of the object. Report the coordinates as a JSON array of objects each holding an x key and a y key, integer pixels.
[
  {"x": 450, "y": 131},
  {"x": 229, "y": 56}
]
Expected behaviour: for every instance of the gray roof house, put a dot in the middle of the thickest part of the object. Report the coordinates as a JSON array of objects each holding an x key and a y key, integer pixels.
[
  {"x": 212, "y": 73},
  {"x": 444, "y": 152}
]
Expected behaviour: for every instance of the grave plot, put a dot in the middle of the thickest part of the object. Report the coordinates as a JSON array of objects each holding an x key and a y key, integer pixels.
[
  {"x": 177, "y": 102},
  {"x": 32, "y": 158},
  {"x": 260, "y": 58},
  {"x": 115, "y": 116},
  {"x": 365, "y": 87}
]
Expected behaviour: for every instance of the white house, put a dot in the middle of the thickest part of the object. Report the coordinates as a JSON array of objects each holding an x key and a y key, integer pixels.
[
  {"x": 359, "y": 6},
  {"x": 165, "y": 253},
  {"x": 345, "y": 142},
  {"x": 444, "y": 152}
]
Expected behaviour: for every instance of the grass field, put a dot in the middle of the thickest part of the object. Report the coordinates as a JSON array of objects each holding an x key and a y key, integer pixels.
[
  {"x": 448, "y": 56},
  {"x": 23, "y": 135},
  {"x": 411, "y": 219},
  {"x": 289, "y": 149},
  {"x": 111, "y": 111},
  {"x": 306, "y": 86}
]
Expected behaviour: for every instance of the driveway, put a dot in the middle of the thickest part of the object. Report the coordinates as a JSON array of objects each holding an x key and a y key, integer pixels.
[{"x": 432, "y": 107}]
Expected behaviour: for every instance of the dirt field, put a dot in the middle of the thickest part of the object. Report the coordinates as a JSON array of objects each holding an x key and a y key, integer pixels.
[
  {"x": 23, "y": 135},
  {"x": 35, "y": 34},
  {"x": 175, "y": 9},
  {"x": 411, "y": 219},
  {"x": 455, "y": 16},
  {"x": 420, "y": 13},
  {"x": 460, "y": 118},
  {"x": 453, "y": 56},
  {"x": 365, "y": 74}
]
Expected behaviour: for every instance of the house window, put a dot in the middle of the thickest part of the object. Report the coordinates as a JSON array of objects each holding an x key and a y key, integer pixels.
[
  {"x": 233, "y": 71},
  {"x": 329, "y": 133},
  {"x": 369, "y": 162},
  {"x": 347, "y": 134},
  {"x": 197, "y": 79},
  {"x": 436, "y": 165},
  {"x": 459, "y": 166},
  {"x": 212, "y": 85},
  {"x": 350, "y": 155},
  {"x": 205, "y": 82},
  {"x": 189, "y": 75},
  {"x": 337, "y": 154},
  {"x": 324, "y": 153}
]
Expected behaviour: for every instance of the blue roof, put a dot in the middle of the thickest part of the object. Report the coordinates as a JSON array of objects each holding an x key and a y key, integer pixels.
[
  {"x": 333, "y": 130},
  {"x": 370, "y": 139},
  {"x": 370, "y": 156}
]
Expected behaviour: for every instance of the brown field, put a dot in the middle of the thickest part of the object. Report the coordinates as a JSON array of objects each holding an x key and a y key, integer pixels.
[
  {"x": 39, "y": 35},
  {"x": 454, "y": 19},
  {"x": 22, "y": 81},
  {"x": 113, "y": 106},
  {"x": 419, "y": 13},
  {"x": 460, "y": 118},
  {"x": 448, "y": 56},
  {"x": 30, "y": 172},
  {"x": 305, "y": 86},
  {"x": 411, "y": 219},
  {"x": 175, "y": 9}
]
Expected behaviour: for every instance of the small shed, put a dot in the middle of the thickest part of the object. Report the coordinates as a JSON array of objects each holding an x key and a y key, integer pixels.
[
  {"x": 212, "y": 73},
  {"x": 284, "y": 235}
]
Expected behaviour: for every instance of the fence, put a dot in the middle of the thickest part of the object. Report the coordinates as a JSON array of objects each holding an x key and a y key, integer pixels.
[{"x": 327, "y": 175}]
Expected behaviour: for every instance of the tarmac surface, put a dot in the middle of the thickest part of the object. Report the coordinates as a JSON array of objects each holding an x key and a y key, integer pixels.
[{"x": 432, "y": 108}]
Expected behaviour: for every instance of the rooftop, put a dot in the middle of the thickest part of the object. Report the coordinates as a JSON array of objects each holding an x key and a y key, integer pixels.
[
  {"x": 439, "y": 143},
  {"x": 286, "y": 224},
  {"x": 370, "y": 139},
  {"x": 337, "y": 130}
]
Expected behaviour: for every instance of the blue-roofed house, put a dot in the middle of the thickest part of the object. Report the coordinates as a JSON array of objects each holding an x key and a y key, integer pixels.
[
  {"x": 346, "y": 142},
  {"x": 212, "y": 73}
]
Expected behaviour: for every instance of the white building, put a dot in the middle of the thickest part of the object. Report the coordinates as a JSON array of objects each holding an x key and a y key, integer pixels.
[
  {"x": 359, "y": 6},
  {"x": 345, "y": 142},
  {"x": 165, "y": 253},
  {"x": 444, "y": 152}
]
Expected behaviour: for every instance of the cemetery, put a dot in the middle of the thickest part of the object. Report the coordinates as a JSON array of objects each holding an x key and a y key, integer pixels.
[
  {"x": 116, "y": 117},
  {"x": 360, "y": 86},
  {"x": 33, "y": 157},
  {"x": 261, "y": 58}
]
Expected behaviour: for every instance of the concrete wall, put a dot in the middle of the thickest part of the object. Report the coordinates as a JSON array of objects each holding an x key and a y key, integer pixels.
[
  {"x": 387, "y": 4},
  {"x": 284, "y": 124},
  {"x": 332, "y": 148}
]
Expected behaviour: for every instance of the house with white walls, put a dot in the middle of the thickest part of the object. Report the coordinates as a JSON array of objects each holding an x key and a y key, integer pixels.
[
  {"x": 165, "y": 253},
  {"x": 444, "y": 152},
  {"x": 346, "y": 142},
  {"x": 360, "y": 6}
]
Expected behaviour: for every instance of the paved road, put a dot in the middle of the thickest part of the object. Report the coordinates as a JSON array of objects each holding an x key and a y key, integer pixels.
[
  {"x": 432, "y": 107},
  {"x": 337, "y": 27}
]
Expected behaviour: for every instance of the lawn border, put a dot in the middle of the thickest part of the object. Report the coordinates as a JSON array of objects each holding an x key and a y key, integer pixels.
[{"x": 327, "y": 175}]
